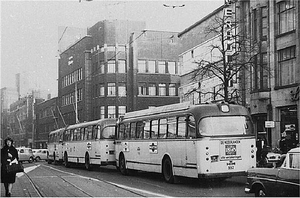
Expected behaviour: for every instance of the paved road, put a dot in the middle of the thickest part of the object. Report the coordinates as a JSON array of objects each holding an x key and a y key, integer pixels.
[{"x": 46, "y": 180}]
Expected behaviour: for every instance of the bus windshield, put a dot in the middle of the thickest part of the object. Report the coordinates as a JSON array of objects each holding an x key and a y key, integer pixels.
[
  {"x": 229, "y": 125},
  {"x": 108, "y": 132}
]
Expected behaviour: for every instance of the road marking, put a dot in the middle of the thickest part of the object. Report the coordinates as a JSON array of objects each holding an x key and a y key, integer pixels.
[
  {"x": 115, "y": 184},
  {"x": 27, "y": 170}
]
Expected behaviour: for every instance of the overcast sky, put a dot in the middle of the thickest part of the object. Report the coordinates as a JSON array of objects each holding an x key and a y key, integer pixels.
[{"x": 29, "y": 29}]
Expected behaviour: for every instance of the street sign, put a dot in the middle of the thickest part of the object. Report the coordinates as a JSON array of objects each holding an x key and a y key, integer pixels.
[{"x": 269, "y": 124}]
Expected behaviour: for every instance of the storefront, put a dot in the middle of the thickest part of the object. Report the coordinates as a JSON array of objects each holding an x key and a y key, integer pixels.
[{"x": 289, "y": 128}]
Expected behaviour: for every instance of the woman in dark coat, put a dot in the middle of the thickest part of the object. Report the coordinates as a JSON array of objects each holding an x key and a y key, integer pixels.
[{"x": 8, "y": 154}]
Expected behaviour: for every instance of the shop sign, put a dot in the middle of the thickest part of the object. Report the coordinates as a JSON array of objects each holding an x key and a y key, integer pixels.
[
  {"x": 295, "y": 94},
  {"x": 269, "y": 124}
]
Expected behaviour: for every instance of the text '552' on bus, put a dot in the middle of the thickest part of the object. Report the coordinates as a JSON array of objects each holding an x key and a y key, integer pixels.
[
  {"x": 197, "y": 141},
  {"x": 90, "y": 143}
]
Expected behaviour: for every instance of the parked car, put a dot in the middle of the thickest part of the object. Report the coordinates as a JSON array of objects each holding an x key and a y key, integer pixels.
[
  {"x": 282, "y": 181},
  {"x": 40, "y": 154},
  {"x": 25, "y": 154}
]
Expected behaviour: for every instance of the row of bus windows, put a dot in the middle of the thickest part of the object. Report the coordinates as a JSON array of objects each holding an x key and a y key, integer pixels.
[
  {"x": 84, "y": 133},
  {"x": 171, "y": 127},
  {"x": 55, "y": 137},
  {"x": 89, "y": 133}
]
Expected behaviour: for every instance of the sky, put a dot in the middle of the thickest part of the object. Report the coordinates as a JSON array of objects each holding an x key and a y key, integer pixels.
[{"x": 29, "y": 29}]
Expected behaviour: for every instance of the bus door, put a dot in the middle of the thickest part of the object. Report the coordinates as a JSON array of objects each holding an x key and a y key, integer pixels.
[{"x": 191, "y": 148}]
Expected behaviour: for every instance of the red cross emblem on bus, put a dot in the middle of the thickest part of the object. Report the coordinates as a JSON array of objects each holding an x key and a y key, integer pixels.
[{"x": 153, "y": 147}]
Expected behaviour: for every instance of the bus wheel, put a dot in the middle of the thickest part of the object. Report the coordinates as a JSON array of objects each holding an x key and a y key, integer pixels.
[
  {"x": 122, "y": 165},
  {"x": 54, "y": 159},
  {"x": 167, "y": 170},
  {"x": 87, "y": 163},
  {"x": 66, "y": 163}
]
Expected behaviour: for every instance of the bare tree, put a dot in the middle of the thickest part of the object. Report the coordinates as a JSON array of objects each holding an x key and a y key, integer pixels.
[{"x": 235, "y": 53}]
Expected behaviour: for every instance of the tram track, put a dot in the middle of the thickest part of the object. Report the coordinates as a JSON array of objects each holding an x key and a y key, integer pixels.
[{"x": 63, "y": 178}]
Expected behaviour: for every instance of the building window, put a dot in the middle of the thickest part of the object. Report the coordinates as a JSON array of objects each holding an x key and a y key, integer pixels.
[
  {"x": 101, "y": 90},
  {"x": 172, "y": 89},
  {"x": 162, "y": 89},
  {"x": 101, "y": 70},
  {"x": 151, "y": 66},
  {"x": 111, "y": 89},
  {"x": 121, "y": 66},
  {"x": 172, "y": 67},
  {"x": 264, "y": 21},
  {"x": 111, "y": 66},
  {"x": 111, "y": 112},
  {"x": 152, "y": 89},
  {"x": 260, "y": 72},
  {"x": 286, "y": 66},
  {"x": 122, "y": 89},
  {"x": 122, "y": 110},
  {"x": 141, "y": 66},
  {"x": 111, "y": 48},
  {"x": 142, "y": 89},
  {"x": 161, "y": 67},
  {"x": 121, "y": 48},
  {"x": 255, "y": 25},
  {"x": 102, "y": 112},
  {"x": 287, "y": 16}
]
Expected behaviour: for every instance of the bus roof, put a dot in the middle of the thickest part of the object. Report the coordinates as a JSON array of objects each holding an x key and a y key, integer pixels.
[
  {"x": 94, "y": 122},
  {"x": 57, "y": 130},
  {"x": 199, "y": 110}
]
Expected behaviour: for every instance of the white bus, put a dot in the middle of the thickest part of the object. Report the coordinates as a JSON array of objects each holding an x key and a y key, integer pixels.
[
  {"x": 90, "y": 143},
  {"x": 198, "y": 141},
  {"x": 55, "y": 146}
]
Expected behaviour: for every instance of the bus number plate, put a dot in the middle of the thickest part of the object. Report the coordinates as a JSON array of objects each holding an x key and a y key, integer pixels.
[{"x": 230, "y": 149}]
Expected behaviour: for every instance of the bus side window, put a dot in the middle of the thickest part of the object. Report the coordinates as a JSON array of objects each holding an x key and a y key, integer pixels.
[
  {"x": 95, "y": 132},
  {"x": 132, "y": 130},
  {"x": 121, "y": 132},
  {"x": 82, "y": 133},
  {"x": 86, "y": 133},
  {"x": 147, "y": 129},
  {"x": 191, "y": 127},
  {"x": 181, "y": 127},
  {"x": 154, "y": 129},
  {"x": 72, "y": 134},
  {"x": 90, "y": 132},
  {"x": 140, "y": 130},
  {"x": 163, "y": 128},
  {"x": 172, "y": 127}
]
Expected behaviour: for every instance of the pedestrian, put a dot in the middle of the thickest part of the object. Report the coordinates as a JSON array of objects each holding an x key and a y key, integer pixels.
[{"x": 8, "y": 154}]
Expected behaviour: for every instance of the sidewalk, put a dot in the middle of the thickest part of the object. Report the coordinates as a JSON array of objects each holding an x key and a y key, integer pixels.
[{"x": 21, "y": 188}]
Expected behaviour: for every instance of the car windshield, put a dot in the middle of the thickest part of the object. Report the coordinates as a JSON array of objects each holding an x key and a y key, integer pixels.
[{"x": 229, "y": 125}]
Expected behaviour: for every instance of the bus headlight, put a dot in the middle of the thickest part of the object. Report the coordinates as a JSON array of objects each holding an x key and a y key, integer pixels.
[{"x": 214, "y": 158}]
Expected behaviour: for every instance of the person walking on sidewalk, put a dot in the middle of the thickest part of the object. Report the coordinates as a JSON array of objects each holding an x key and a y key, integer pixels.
[{"x": 8, "y": 154}]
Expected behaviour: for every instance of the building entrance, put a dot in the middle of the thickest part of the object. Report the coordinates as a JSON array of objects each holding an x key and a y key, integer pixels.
[{"x": 289, "y": 128}]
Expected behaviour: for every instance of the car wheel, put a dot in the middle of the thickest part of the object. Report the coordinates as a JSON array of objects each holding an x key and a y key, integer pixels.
[
  {"x": 37, "y": 159},
  {"x": 30, "y": 160},
  {"x": 167, "y": 170},
  {"x": 260, "y": 192}
]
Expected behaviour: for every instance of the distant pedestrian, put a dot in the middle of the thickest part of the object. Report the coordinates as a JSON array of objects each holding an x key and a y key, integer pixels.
[{"x": 8, "y": 154}]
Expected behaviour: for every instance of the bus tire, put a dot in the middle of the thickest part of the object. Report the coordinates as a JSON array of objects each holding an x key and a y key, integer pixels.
[
  {"x": 87, "y": 163},
  {"x": 122, "y": 164},
  {"x": 66, "y": 162},
  {"x": 167, "y": 170},
  {"x": 54, "y": 159}
]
